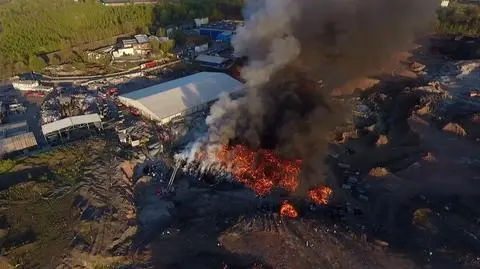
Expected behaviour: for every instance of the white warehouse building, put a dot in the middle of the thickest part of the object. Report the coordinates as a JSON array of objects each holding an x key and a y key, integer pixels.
[{"x": 180, "y": 97}]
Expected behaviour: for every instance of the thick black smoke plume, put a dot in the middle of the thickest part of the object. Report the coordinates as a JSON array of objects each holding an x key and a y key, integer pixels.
[{"x": 292, "y": 45}]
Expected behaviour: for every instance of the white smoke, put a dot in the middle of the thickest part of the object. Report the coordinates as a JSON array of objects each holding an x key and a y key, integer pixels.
[{"x": 269, "y": 46}]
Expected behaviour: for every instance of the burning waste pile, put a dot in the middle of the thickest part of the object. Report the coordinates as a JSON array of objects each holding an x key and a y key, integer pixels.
[{"x": 276, "y": 135}]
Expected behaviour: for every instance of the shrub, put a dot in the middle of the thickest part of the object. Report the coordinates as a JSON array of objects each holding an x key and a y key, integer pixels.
[
  {"x": 7, "y": 165},
  {"x": 25, "y": 191}
]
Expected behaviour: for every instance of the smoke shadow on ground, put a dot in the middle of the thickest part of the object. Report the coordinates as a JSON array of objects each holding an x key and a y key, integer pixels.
[
  {"x": 189, "y": 238},
  {"x": 197, "y": 245},
  {"x": 15, "y": 177}
]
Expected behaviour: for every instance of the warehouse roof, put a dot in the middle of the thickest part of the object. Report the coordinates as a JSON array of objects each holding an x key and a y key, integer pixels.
[
  {"x": 172, "y": 97},
  {"x": 69, "y": 122},
  {"x": 141, "y": 38},
  {"x": 18, "y": 142},
  {"x": 211, "y": 59},
  {"x": 9, "y": 129}
]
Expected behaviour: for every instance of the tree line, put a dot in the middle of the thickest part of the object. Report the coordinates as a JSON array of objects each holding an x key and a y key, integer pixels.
[
  {"x": 29, "y": 28},
  {"x": 459, "y": 19}
]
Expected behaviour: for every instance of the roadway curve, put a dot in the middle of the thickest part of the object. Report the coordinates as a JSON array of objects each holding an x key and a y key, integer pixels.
[{"x": 46, "y": 78}]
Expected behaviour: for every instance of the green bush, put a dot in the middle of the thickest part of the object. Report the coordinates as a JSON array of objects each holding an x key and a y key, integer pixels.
[
  {"x": 155, "y": 45},
  {"x": 25, "y": 191},
  {"x": 161, "y": 32},
  {"x": 35, "y": 63},
  {"x": 167, "y": 46},
  {"x": 7, "y": 165}
]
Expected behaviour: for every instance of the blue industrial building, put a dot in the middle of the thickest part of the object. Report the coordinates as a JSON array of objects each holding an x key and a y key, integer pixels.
[
  {"x": 217, "y": 34},
  {"x": 225, "y": 37},
  {"x": 219, "y": 31}
]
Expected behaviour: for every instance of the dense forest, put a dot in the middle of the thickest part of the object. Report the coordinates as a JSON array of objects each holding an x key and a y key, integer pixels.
[
  {"x": 459, "y": 19},
  {"x": 29, "y": 28}
]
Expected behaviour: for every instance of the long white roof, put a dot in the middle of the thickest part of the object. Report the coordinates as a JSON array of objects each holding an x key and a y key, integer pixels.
[
  {"x": 211, "y": 59},
  {"x": 69, "y": 122},
  {"x": 175, "y": 96}
]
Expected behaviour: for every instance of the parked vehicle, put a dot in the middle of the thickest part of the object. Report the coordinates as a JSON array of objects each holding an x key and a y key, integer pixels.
[
  {"x": 113, "y": 91},
  {"x": 35, "y": 94},
  {"x": 148, "y": 65},
  {"x": 134, "y": 111}
]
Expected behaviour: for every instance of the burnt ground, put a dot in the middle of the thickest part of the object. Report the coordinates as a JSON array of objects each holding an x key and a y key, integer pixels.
[{"x": 222, "y": 230}]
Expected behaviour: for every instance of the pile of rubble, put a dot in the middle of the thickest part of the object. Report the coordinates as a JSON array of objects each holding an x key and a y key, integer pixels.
[
  {"x": 61, "y": 104},
  {"x": 135, "y": 134}
]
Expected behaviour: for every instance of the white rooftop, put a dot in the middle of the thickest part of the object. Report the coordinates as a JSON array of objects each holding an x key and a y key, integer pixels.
[
  {"x": 13, "y": 126},
  {"x": 129, "y": 42},
  {"x": 69, "y": 122},
  {"x": 172, "y": 97},
  {"x": 141, "y": 38},
  {"x": 211, "y": 59}
]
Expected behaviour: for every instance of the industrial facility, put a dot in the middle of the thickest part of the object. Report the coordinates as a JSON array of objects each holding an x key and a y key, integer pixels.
[
  {"x": 220, "y": 31},
  {"x": 180, "y": 97}
]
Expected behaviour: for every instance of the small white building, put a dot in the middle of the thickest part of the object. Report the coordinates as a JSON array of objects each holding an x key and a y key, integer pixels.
[
  {"x": 201, "y": 21},
  {"x": 25, "y": 85},
  {"x": 141, "y": 38},
  {"x": 201, "y": 48},
  {"x": 211, "y": 59},
  {"x": 170, "y": 30},
  {"x": 128, "y": 43},
  {"x": 123, "y": 52}
]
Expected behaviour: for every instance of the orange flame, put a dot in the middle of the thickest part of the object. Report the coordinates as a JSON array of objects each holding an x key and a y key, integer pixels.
[
  {"x": 200, "y": 155},
  {"x": 288, "y": 210},
  {"x": 320, "y": 195},
  {"x": 260, "y": 170}
]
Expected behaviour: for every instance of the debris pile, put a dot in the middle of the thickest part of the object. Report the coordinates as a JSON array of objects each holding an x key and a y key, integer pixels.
[
  {"x": 64, "y": 103},
  {"x": 378, "y": 172},
  {"x": 454, "y": 128},
  {"x": 260, "y": 170}
]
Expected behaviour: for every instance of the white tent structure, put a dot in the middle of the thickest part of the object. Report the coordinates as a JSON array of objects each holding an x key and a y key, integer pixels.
[
  {"x": 211, "y": 59},
  {"x": 72, "y": 122},
  {"x": 180, "y": 97}
]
